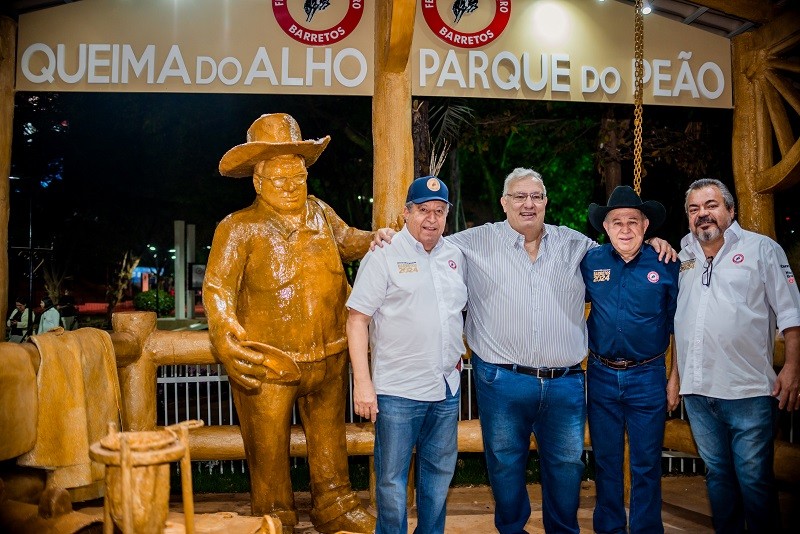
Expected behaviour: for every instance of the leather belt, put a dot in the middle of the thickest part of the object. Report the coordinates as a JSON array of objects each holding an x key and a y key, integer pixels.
[
  {"x": 622, "y": 364},
  {"x": 541, "y": 372}
]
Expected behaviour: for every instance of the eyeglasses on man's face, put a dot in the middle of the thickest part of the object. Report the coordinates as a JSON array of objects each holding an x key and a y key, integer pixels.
[
  {"x": 520, "y": 198},
  {"x": 708, "y": 268}
]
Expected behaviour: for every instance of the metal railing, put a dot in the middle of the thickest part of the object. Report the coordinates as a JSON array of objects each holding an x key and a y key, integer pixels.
[{"x": 203, "y": 392}]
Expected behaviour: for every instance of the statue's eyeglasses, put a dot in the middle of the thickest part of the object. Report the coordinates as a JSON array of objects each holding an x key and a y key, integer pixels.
[{"x": 280, "y": 181}]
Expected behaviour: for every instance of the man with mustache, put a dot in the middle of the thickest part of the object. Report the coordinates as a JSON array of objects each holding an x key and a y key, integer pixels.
[{"x": 736, "y": 287}]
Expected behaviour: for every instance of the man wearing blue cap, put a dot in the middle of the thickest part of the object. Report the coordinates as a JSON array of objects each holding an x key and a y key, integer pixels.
[
  {"x": 634, "y": 297},
  {"x": 406, "y": 306}
]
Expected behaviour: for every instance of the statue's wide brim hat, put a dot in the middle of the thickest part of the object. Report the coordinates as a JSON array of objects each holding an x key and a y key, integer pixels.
[
  {"x": 271, "y": 135},
  {"x": 624, "y": 196}
]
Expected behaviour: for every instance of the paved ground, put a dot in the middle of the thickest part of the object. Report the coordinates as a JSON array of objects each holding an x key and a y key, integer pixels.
[{"x": 470, "y": 510}]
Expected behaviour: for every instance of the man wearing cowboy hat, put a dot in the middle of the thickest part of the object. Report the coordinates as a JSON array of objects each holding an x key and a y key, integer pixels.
[
  {"x": 633, "y": 297},
  {"x": 274, "y": 293}
]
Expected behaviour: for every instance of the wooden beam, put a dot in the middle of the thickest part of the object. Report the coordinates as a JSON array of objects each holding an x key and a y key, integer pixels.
[
  {"x": 8, "y": 59},
  {"x": 401, "y": 33},
  {"x": 393, "y": 164},
  {"x": 759, "y": 11}
]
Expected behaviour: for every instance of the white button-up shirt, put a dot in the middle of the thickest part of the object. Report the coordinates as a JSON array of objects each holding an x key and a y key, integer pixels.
[
  {"x": 725, "y": 332},
  {"x": 524, "y": 312},
  {"x": 416, "y": 301}
]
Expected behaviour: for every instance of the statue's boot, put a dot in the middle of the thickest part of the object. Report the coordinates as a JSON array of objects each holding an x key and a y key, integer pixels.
[
  {"x": 288, "y": 519},
  {"x": 356, "y": 520}
]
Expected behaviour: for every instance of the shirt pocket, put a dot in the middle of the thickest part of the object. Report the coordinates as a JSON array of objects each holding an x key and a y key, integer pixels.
[
  {"x": 647, "y": 298},
  {"x": 733, "y": 285}
]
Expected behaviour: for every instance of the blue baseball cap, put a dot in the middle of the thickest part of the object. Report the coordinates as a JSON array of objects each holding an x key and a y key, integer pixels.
[{"x": 427, "y": 188}]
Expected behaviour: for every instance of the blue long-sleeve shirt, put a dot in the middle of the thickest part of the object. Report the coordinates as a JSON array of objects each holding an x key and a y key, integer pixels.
[{"x": 633, "y": 304}]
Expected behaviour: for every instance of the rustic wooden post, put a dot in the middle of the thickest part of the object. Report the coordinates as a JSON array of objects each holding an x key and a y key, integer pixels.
[
  {"x": 8, "y": 57},
  {"x": 391, "y": 111}
]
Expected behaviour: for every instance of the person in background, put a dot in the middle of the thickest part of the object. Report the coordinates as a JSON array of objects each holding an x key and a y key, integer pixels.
[
  {"x": 736, "y": 291},
  {"x": 633, "y": 297},
  {"x": 69, "y": 313},
  {"x": 406, "y": 306},
  {"x": 20, "y": 321},
  {"x": 49, "y": 318}
]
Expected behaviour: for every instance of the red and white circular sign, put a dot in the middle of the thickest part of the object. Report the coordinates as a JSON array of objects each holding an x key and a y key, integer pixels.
[
  {"x": 459, "y": 8},
  {"x": 306, "y": 34}
]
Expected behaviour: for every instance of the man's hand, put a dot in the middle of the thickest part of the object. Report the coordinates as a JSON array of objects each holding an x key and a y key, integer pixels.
[
  {"x": 365, "y": 400},
  {"x": 673, "y": 392},
  {"x": 382, "y": 235},
  {"x": 787, "y": 386},
  {"x": 665, "y": 251}
]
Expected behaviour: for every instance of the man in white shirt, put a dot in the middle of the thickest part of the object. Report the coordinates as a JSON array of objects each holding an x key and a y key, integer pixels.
[
  {"x": 735, "y": 288},
  {"x": 406, "y": 306}
]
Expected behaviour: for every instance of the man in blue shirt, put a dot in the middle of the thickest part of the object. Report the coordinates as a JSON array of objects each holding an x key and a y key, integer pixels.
[{"x": 633, "y": 298}]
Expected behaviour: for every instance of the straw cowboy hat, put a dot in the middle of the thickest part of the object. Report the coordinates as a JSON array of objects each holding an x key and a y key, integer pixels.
[
  {"x": 275, "y": 134},
  {"x": 624, "y": 196}
]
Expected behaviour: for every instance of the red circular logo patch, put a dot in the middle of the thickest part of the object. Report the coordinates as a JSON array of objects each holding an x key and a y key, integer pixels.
[
  {"x": 460, "y": 8},
  {"x": 452, "y": 264},
  {"x": 317, "y": 37},
  {"x": 739, "y": 258},
  {"x": 653, "y": 277}
]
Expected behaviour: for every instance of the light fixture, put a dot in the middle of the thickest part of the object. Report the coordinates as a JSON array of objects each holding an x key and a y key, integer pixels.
[{"x": 646, "y": 8}]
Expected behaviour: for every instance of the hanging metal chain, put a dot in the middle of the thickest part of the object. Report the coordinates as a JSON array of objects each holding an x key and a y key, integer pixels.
[{"x": 638, "y": 30}]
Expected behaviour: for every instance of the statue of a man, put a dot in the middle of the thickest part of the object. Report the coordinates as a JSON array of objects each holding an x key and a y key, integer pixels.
[{"x": 274, "y": 293}]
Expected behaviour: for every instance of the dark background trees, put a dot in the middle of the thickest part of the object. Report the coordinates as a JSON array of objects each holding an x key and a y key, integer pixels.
[{"x": 103, "y": 175}]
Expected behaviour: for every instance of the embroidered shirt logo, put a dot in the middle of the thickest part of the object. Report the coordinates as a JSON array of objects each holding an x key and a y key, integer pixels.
[
  {"x": 687, "y": 264},
  {"x": 739, "y": 258},
  {"x": 601, "y": 275},
  {"x": 404, "y": 267},
  {"x": 787, "y": 270},
  {"x": 653, "y": 277},
  {"x": 452, "y": 264}
]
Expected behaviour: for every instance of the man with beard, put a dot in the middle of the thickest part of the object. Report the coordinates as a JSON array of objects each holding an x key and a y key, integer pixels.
[{"x": 735, "y": 288}]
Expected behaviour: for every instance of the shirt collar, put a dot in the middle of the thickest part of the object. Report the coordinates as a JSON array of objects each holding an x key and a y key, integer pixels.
[
  {"x": 416, "y": 244},
  {"x": 616, "y": 254},
  {"x": 513, "y": 237}
]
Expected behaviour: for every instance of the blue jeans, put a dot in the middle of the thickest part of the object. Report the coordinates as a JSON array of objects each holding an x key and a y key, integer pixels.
[
  {"x": 511, "y": 406},
  {"x": 431, "y": 427},
  {"x": 735, "y": 440},
  {"x": 634, "y": 399}
]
